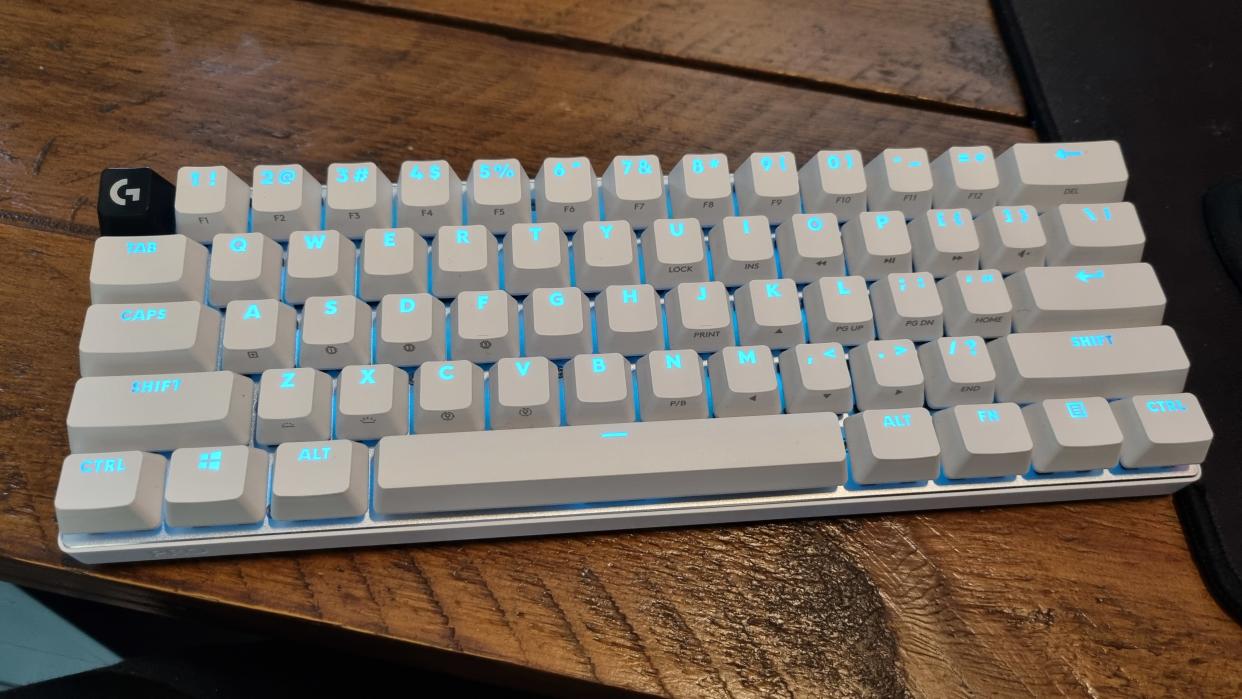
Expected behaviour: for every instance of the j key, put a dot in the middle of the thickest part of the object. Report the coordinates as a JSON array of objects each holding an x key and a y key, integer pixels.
[
  {"x": 834, "y": 182},
  {"x": 892, "y": 446},
  {"x": 838, "y": 309},
  {"x": 944, "y": 241},
  {"x": 742, "y": 250},
  {"x": 877, "y": 243},
  {"x": 744, "y": 382},
  {"x": 1162, "y": 430},
  {"x": 127, "y": 338},
  {"x": 159, "y": 412},
  {"x": 464, "y": 258},
  {"x": 497, "y": 194},
  {"x": 816, "y": 379},
  {"x": 1011, "y": 238},
  {"x": 901, "y": 179},
  {"x": 957, "y": 371},
  {"x": 1078, "y": 434},
  {"x": 216, "y": 486},
  {"x": 295, "y": 405},
  {"x": 598, "y": 390},
  {"x": 605, "y": 253},
  {"x": 965, "y": 178},
  {"x": 210, "y": 200},
  {"x": 673, "y": 252},
  {"x": 1096, "y": 234},
  {"x": 1046, "y": 174},
  {"x": 393, "y": 261},
  {"x": 699, "y": 187},
  {"x": 886, "y": 374},
  {"x": 359, "y": 197},
  {"x": 428, "y": 196},
  {"x": 976, "y": 303},
  {"x": 1070, "y": 298},
  {"x": 628, "y": 320},
  {"x": 634, "y": 190},
  {"x": 1118, "y": 362},
  {"x": 147, "y": 269},
  {"x": 767, "y": 185},
  {"x": 671, "y": 386},
  {"x": 565, "y": 192},
  {"x": 244, "y": 266},
  {"x": 536, "y": 255},
  {"x": 524, "y": 393},
  {"x": 135, "y": 201},
  {"x": 320, "y": 263},
  {"x": 907, "y": 306},
  {"x": 285, "y": 198},
  {"x": 448, "y": 397},
  {"x": 319, "y": 480},
  {"x": 409, "y": 330},
  {"x": 557, "y": 323},
  {"x": 768, "y": 313},
  {"x": 983, "y": 440},
  {"x": 336, "y": 331},
  {"x": 485, "y": 326},
  {"x": 110, "y": 492},
  {"x": 258, "y": 335},
  {"x": 372, "y": 402},
  {"x": 810, "y": 247},
  {"x": 699, "y": 317}
]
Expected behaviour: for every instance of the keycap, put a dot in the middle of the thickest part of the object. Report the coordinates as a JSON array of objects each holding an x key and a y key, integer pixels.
[
  {"x": 699, "y": 187},
  {"x": 359, "y": 197},
  {"x": 216, "y": 486},
  {"x": 448, "y": 397},
  {"x": 900, "y": 179},
  {"x": 320, "y": 263},
  {"x": 392, "y": 261},
  {"x": 983, "y": 440},
  {"x": 673, "y": 252},
  {"x": 634, "y": 190},
  {"x": 834, "y": 182},
  {"x": 605, "y": 253},
  {"x": 742, "y": 250},
  {"x": 124, "y": 338},
  {"x": 1011, "y": 238},
  {"x": 816, "y": 379},
  {"x": 149, "y": 268},
  {"x": 134, "y": 201},
  {"x": 110, "y": 492},
  {"x": 284, "y": 199},
  {"x": 210, "y": 200},
  {"x": 428, "y": 196},
  {"x": 295, "y": 405},
  {"x": 1112, "y": 363},
  {"x": 319, "y": 480},
  {"x": 892, "y": 446},
  {"x": 810, "y": 247},
  {"x": 1162, "y": 430},
  {"x": 372, "y": 401},
  {"x": 699, "y": 317},
  {"x": 944, "y": 241},
  {"x": 1093, "y": 234},
  {"x": 743, "y": 382},
  {"x": 886, "y": 374},
  {"x": 976, "y": 303},
  {"x": 671, "y": 386},
  {"x": 965, "y": 178},
  {"x": 243, "y": 266},
  {"x": 528, "y": 468},
  {"x": 768, "y": 313},
  {"x": 598, "y": 390},
  {"x": 565, "y": 193},
  {"x": 485, "y": 326},
  {"x": 957, "y": 371},
  {"x": 877, "y": 243},
  {"x": 1077, "y": 434},
  {"x": 557, "y": 323},
  {"x": 628, "y": 320},
  {"x": 464, "y": 258},
  {"x": 767, "y": 185},
  {"x": 1071, "y": 298},
  {"x": 536, "y": 256},
  {"x": 258, "y": 335},
  {"x": 1046, "y": 174},
  {"x": 497, "y": 194},
  {"x": 159, "y": 412},
  {"x": 908, "y": 306},
  {"x": 409, "y": 330},
  {"x": 524, "y": 393},
  {"x": 838, "y": 309},
  {"x": 336, "y": 331}
]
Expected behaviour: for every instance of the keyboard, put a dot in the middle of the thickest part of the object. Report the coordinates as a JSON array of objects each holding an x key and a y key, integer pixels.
[{"x": 298, "y": 363}]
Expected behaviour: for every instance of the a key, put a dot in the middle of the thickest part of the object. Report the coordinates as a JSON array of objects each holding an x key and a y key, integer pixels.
[
  {"x": 957, "y": 371},
  {"x": 123, "y": 338},
  {"x": 976, "y": 303},
  {"x": 285, "y": 198},
  {"x": 524, "y": 393},
  {"x": 110, "y": 492},
  {"x": 838, "y": 309},
  {"x": 409, "y": 330},
  {"x": 673, "y": 252},
  {"x": 336, "y": 331},
  {"x": 565, "y": 193},
  {"x": 767, "y": 185},
  {"x": 359, "y": 197},
  {"x": 634, "y": 190},
  {"x": 210, "y": 200},
  {"x": 464, "y": 258},
  {"x": 816, "y": 379},
  {"x": 244, "y": 266},
  {"x": 1046, "y": 174},
  {"x": 536, "y": 256},
  {"x": 393, "y": 261},
  {"x": 983, "y": 440},
  {"x": 295, "y": 405},
  {"x": 216, "y": 486},
  {"x": 598, "y": 390},
  {"x": 1093, "y": 234},
  {"x": 908, "y": 306},
  {"x": 742, "y": 250},
  {"x": 944, "y": 241},
  {"x": 900, "y": 179},
  {"x": 557, "y": 323},
  {"x": 258, "y": 335},
  {"x": 768, "y": 313},
  {"x": 372, "y": 401},
  {"x": 886, "y": 374},
  {"x": 1011, "y": 238},
  {"x": 699, "y": 317},
  {"x": 320, "y": 263},
  {"x": 965, "y": 178},
  {"x": 1071, "y": 298},
  {"x": 1076, "y": 434},
  {"x": 148, "y": 268},
  {"x": 605, "y": 253},
  {"x": 671, "y": 386},
  {"x": 497, "y": 194},
  {"x": 159, "y": 412},
  {"x": 428, "y": 196},
  {"x": 319, "y": 480},
  {"x": 699, "y": 187},
  {"x": 1162, "y": 430},
  {"x": 743, "y": 382},
  {"x": 810, "y": 247},
  {"x": 448, "y": 397},
  {"x": 135, "y": 201},
  {"x": 485, "y": 326},
  {"x": 834, "y": 182},
  {"x": 877, "y": 243},
  {"x": 628, "y": 320},
  {"x": 892, "y": 446}
]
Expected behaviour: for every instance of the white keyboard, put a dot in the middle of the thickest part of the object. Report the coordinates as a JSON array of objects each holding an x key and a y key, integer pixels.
[{"x": 366, "y": 361}]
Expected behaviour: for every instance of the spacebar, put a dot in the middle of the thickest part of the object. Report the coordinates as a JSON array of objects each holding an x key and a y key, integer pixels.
[{"x": 607, "y": 463}]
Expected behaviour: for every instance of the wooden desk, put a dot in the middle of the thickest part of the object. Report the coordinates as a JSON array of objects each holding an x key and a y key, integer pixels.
[{"x": 1087, "y": 599}]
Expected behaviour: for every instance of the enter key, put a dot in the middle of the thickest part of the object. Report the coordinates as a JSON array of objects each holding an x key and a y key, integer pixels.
[{"x": 1083, "y": 297}]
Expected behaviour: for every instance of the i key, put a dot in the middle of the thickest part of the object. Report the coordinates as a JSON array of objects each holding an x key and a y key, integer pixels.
[
  {"x": 359, "y": 197},
  {"x": 742, "y": 250},
  {"x": 285, "y": 198},
  {"x": 498, "y": 194},
  {"x": 210, "y": 200}
]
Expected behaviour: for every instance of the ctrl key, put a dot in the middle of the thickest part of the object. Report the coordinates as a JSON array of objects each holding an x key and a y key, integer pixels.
[
  {"x": 110, "y": 492},
  {"x": 319, "y": 480},
  {"x": 1164, "y": 430}
]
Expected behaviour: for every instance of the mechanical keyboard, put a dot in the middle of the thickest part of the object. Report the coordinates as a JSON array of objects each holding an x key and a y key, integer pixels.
[{"x": 292, "y": 364}]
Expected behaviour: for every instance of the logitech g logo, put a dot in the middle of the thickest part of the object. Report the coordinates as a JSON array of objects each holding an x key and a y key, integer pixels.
[{"x": 115, "y": 193}]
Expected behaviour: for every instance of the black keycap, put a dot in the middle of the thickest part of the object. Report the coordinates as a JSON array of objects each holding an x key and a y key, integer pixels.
[{"x": 135, "y": 201}]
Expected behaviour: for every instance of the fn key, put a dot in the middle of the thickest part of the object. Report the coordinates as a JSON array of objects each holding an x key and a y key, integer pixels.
[{"x": 135, "y": 201}]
